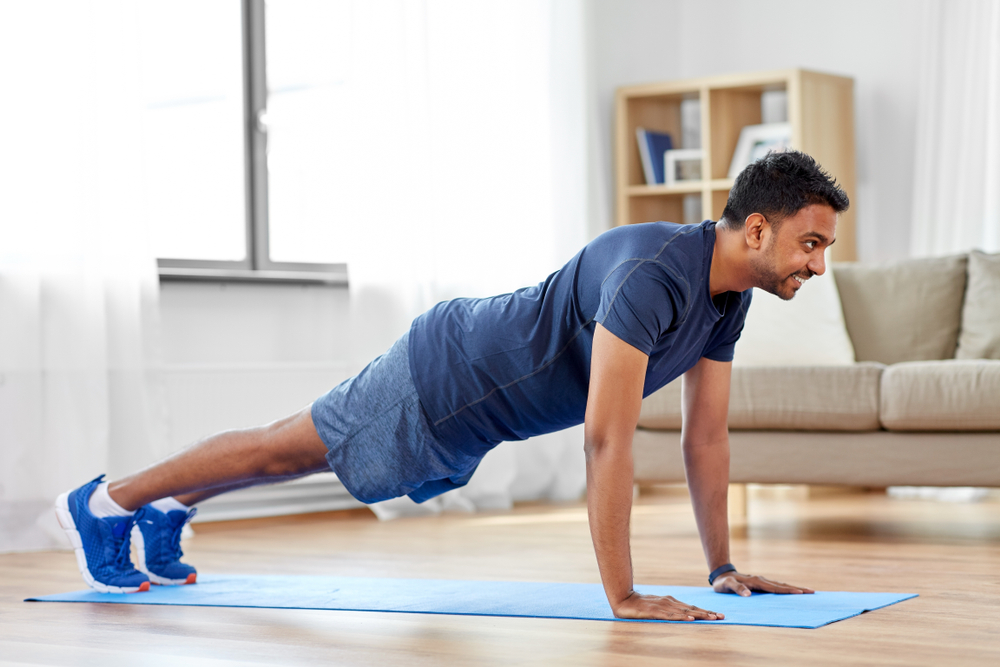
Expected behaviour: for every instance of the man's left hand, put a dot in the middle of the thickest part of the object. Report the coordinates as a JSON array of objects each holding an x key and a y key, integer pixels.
[{"x": 742, "y": 584}]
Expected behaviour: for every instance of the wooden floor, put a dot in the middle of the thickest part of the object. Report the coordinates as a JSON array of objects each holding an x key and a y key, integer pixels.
[{"x": 948, "y": 553}]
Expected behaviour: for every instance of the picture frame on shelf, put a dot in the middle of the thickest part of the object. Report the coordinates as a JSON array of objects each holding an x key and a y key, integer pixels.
[
  {"x": 756, "y": 141},
  {"x": 682, "y": 165}
]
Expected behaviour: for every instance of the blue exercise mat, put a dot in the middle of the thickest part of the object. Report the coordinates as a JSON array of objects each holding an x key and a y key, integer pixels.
[{"x": 485, "y": 598}]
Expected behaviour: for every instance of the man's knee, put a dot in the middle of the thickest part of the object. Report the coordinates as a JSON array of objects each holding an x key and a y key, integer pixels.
[{"x": 291, "y": 447}]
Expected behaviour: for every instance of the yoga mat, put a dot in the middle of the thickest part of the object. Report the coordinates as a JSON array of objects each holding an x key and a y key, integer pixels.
[{"x": 485, "y": 598}]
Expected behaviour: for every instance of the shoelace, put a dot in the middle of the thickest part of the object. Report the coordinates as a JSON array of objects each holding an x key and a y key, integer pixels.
[
  {"x": 175, "y": 540},
  {"x": 123, "y": 560},
  {"x": 172, "y": 551}
]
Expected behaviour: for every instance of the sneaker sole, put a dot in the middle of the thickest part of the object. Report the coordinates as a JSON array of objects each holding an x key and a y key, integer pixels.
[
  {"x": 140, "y": 552},
  {"x": 65, "y": 519}
]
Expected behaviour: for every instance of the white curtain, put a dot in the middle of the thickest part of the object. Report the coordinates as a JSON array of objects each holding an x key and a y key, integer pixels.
[
  {"x": 483, "y": 107},
  {"x": 78, "y": 291},
  {"x": 957, "y": 172}
]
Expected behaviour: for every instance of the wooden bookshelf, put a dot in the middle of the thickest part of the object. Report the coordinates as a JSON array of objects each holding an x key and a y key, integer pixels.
[{"x": 820, "y": 112}]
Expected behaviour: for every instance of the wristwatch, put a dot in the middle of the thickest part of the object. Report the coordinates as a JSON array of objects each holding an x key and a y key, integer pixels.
[{"x": 719, "y": 571}]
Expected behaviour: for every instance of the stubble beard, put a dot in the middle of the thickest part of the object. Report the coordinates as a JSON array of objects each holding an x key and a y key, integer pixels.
[{"x": 766, "y": 278}]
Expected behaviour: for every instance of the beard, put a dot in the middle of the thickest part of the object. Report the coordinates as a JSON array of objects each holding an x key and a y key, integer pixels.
[{"x": 767, "y": 278}]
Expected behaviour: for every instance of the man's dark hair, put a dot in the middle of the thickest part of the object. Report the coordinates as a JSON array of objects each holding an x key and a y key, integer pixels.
[{"x": 778, "y": 186}]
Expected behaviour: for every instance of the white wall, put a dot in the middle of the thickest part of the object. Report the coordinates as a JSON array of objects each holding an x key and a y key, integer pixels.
[{"x": 874, "y": 41}]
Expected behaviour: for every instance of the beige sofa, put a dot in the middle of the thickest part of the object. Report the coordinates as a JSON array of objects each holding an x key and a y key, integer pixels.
[{"x": 921, "y": 405}]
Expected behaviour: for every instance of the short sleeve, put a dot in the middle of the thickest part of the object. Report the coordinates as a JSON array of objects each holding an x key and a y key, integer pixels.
[
  {"x": 722, "y": 345},
  {"x": 639, "y": 303}
]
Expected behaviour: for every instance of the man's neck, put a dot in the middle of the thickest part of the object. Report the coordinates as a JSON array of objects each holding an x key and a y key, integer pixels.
[{"x": 730, "y": 269}]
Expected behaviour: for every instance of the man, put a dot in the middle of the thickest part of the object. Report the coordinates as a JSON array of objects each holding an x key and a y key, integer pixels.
[{"x": 636, "y": 308}]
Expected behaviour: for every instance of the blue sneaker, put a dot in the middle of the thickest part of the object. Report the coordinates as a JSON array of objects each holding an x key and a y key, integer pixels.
[
  {"x": 101, "y": 544},
  {"x": 157, "y": 538}
]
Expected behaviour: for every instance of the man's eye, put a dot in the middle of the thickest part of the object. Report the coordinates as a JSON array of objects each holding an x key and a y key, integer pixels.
[{"x": 811, "y": 244}]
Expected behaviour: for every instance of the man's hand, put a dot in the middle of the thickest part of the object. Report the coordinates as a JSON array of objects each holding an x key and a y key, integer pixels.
[
  {"x": 662, "y": 609},
  {"x": 742, "y": 584}
]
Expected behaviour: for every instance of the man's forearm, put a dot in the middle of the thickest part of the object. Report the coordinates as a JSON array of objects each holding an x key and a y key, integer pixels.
[
  {"x": 707, "y": 467},
  {"x": 609, "y": 505}
]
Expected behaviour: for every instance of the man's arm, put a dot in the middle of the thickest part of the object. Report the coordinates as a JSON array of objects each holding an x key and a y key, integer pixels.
[
  {"x": 617, "y": 374},
  {"x": 705, "y": 443}
]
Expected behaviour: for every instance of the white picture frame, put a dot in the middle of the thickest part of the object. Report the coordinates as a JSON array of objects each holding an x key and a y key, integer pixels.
[
  {"x": 756, "y": 141},
  {"x": 681, "y": 161}
]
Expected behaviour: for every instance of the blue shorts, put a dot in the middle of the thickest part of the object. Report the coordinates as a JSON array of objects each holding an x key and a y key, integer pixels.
[{"x": 380, "y": 440}]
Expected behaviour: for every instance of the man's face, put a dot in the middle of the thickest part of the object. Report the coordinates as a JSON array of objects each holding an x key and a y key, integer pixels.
[{"x": 793, "y": 253}]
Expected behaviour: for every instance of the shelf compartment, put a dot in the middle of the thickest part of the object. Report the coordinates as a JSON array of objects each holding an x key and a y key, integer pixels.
[
  {"x": 732, "y": 109},
  {"x": 661, "y": 113},
  {"x": 657, "y": 207},
  {"x": 668, "y": 207}
]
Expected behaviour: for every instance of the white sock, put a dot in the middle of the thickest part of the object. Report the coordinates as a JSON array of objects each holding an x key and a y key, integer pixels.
[
  {"x": 169, "y": 504},
  {"x": 101, "y": 505}
]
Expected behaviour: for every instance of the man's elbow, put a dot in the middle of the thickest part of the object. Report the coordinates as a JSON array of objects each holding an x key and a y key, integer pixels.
[
  {"x": 600, "y": 447},
  {"x": 592, "y": 447},
  {"x": 718, "y": 437}
]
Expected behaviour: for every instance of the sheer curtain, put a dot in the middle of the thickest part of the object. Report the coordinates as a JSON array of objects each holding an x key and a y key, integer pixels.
[
  {"x": 957, "y": 172},
  {"x": 78, "y": 292},
  {"x": 463, "y": 174}
]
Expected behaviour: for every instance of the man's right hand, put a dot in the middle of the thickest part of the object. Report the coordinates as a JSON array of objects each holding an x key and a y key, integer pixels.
[{"x": 662, "y": 608}]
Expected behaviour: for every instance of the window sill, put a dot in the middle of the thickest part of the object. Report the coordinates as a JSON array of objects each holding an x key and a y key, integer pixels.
[{"x": 204, "y": 275}]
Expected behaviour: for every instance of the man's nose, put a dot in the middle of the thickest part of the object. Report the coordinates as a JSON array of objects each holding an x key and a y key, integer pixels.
[{"x": 817, "y": 265}]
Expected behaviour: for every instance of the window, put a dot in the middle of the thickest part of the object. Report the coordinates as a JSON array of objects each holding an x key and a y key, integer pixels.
[{"x": 239, "y": 125}]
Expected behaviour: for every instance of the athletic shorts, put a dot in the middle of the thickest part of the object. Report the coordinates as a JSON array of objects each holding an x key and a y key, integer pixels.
[{"x": 379, "y": 438}]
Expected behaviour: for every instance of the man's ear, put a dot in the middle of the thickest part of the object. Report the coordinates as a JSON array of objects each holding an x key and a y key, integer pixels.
[{"x": 753, "y": 229}]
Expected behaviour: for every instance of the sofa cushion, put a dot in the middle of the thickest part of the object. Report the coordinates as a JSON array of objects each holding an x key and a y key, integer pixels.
[
  {"x": 948, "y": 395},
  {"x": 903, "y": 311},
  {"x": 809, "y": 330},
  {"x": 980, "y": 335},
  {"x": 804, "y": 398}
]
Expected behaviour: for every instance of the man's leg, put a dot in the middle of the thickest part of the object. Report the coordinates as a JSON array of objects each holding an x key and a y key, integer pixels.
[
  {"x": 100, "y": 533},
  {"x": 284, "y": 449}
]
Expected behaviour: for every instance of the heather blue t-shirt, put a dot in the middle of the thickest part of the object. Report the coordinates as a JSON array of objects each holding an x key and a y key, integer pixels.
[{"x": 518, "y": 365}]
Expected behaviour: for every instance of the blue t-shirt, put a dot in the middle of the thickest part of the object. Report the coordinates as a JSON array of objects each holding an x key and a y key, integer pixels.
[{"x": 518, "y": 365}]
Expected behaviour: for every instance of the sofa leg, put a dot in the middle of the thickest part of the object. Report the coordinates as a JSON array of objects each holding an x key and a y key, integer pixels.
[{"x": 737, "y": 505}]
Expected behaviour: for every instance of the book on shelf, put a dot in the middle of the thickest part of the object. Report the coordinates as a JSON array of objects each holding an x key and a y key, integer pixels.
[{"x": 652, "y": 146}]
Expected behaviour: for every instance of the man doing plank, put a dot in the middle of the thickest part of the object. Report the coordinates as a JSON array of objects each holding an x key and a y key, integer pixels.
[{"x": 634, "y": 309}]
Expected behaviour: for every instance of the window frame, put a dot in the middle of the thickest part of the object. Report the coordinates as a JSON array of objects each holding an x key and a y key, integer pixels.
[{"x": 257, "y": 265}]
